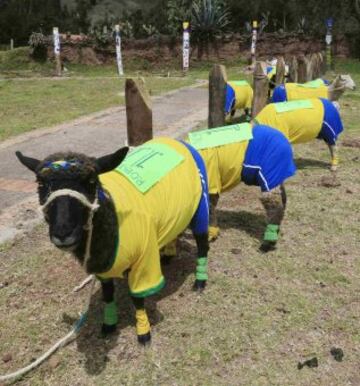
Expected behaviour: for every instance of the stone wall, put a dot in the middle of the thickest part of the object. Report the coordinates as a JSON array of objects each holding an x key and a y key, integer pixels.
[{"x": 164, "y": 50}]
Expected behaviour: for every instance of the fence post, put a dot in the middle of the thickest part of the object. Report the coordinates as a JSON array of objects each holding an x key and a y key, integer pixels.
[
  {"x": 280, "y": 71},
  {"x": 293, "y": 70},
  {"x": 186, "y": 45},
  {"x": 217, "y": 89},
  {"x": 11, "y": 44},
  {"x": 328, "y": 40},
  {"x": 56, "y": 37},
  {"x": 138, "y": 112},
  {"x": 261, "y": 88},
  {"x": 118, "y": 50},
  {"x": 253, "y": 43},
  {"x": 302, "y": 69}
]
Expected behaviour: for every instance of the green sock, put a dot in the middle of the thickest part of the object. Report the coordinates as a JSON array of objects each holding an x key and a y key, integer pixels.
[
  {"x": 201, "y": 268},
  {"x": 271, "y": 232},
  {"x": 110, "y": 313}
]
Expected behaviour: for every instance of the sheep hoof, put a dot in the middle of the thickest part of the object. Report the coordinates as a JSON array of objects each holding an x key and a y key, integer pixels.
[
  {"x": 144, "y": 339},
  {"x": 268, "y": 246},
  {"x": 108, "y": 329},
  {"x": 199, "y": 285}
]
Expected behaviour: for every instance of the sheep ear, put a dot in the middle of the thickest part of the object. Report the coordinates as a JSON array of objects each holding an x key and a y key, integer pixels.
[
  {"x": 30, "y": 163},
  {"x": 109, "y": 162}
]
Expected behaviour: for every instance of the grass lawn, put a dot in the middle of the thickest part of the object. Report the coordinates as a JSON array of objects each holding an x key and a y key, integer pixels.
[{"x": 260, "y": 315}]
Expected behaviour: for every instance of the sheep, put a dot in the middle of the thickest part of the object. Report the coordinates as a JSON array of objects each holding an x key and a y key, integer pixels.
[
  {"x": 114, "y": 219},
  {"x": 304, "y": 120},
  {"x": 318, "y": 88},
  {"x": 238, "y": 95},
  {"x": 262, "y": 156}
]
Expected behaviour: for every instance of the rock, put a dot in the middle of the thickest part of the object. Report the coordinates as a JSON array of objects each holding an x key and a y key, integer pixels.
[
  {"x": 7, "y": 358},
  {"x": 54, "y": 362}
]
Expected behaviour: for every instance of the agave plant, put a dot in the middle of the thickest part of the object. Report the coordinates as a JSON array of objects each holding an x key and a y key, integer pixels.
[{"x": 209, "y": 19}]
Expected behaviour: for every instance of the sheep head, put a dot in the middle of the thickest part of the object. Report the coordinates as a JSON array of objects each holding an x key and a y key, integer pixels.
[
  {"x": 76, "y": 173},
  {"x": 344, "y": 81}
]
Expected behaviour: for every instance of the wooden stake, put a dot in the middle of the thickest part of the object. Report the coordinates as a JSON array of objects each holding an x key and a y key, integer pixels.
[
  {"x": 302, "y": 69},
  {"x": 138, "y": 112},
  {"x": 217, "y": 89},
  {"x": 261, "y": 87},
  {"x": 293, "y": 70},
  {"x": 280, "y": 71}
]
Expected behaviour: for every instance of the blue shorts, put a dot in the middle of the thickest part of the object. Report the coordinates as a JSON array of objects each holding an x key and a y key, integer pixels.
[
  {"x": 279, "y": 94},
  {"x": 229, "y": 99},
  {"x": 332, "y": 125},
  {"x": 268, "y": 159},
  {"x": 200, "y": 221}
]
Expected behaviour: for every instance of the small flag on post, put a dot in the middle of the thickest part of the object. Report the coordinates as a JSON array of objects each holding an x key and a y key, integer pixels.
[
  {"x": 118, "y": 50},
  {"x": 253, "y": 42},
  {"x": 56, "y": 37},
  {"x": 186, "y": 45}
]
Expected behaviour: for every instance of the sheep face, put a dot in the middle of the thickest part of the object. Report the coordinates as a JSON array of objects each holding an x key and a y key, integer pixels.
[
  {"x": 74, "y": 177},
  {"x": 347, "y": 82}
]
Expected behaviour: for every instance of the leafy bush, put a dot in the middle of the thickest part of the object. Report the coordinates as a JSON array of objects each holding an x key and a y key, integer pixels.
[
  {"x": 209, "y": 19},
  {"x": 38, "y": 43}
]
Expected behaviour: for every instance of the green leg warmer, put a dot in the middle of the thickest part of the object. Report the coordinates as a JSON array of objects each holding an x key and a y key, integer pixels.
[
  {"x": 110, "y": 313},
  {"x": 201, "y": 268},
  {"x": 271, "y": 232}
]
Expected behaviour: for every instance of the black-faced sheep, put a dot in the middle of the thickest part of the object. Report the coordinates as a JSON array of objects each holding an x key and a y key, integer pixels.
[{"x": 115, "y": 213}]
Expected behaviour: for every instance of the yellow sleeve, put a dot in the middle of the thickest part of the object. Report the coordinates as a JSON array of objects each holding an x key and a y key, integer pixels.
[{"x": 145, "y": 276}]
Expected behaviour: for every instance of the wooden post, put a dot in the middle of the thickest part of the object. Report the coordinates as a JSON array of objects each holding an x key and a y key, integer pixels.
[
  {"x": 314, "y": 64},
  {"x": 217, "y": 89},
  {"x": 280, "y": 71},
  {"x": 309, "y": 69},
  {"x": 138, "y": 112},
  {"x": 11, "y": 44},
  {"x": 56, "y": 37},
  {"x": 118, "y": 50},
  {"x": 186, "y": 45},
  {"x": 302, "y": 69},
  {"x": 323, "y": 63},
  {"x": 253, "y": 43},
  {"x": 261, "y": 87},
  {"x": 328, "y": 40},
  {"x": 293, "y": 70}
]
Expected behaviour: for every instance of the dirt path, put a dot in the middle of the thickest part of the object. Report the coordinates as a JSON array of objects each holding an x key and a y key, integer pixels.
[{"x": 174, "y": 114}]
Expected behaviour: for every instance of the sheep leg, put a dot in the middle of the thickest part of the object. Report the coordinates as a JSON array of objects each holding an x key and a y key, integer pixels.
[
  {"x": 110, "y": 310},
  {"x": 334, "y": 157},
  {"x": 213, "y": 225},
  {"x": 202, "y": 243},
  {"x": 142, "y": 321},
  {"x": 274, "y": 203}
]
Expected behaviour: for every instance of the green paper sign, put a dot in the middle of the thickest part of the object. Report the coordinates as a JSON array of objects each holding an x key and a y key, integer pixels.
[
  {"x": 149, "y": 163},
  {"x": 313, "y": 84},
  {"x": 221, "y": 136},
  {"x": 239, "y": 82},
  {"x": 284, "y": 107}
]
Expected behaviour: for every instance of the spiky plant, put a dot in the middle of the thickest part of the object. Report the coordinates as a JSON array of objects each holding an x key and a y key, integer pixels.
[{"x": 209, "y": 19}]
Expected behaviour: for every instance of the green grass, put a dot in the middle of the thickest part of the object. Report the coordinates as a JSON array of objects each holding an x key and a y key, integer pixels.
[
  {"x": 259, "y": 316},
  {"x": 31, "y": 104}
]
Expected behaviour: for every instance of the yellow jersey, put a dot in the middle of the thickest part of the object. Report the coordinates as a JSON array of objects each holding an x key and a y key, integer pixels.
[{"x": 148, "y": 221}]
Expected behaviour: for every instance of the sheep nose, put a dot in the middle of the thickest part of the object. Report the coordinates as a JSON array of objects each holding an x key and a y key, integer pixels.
[{"x": 63, "y": 237}]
